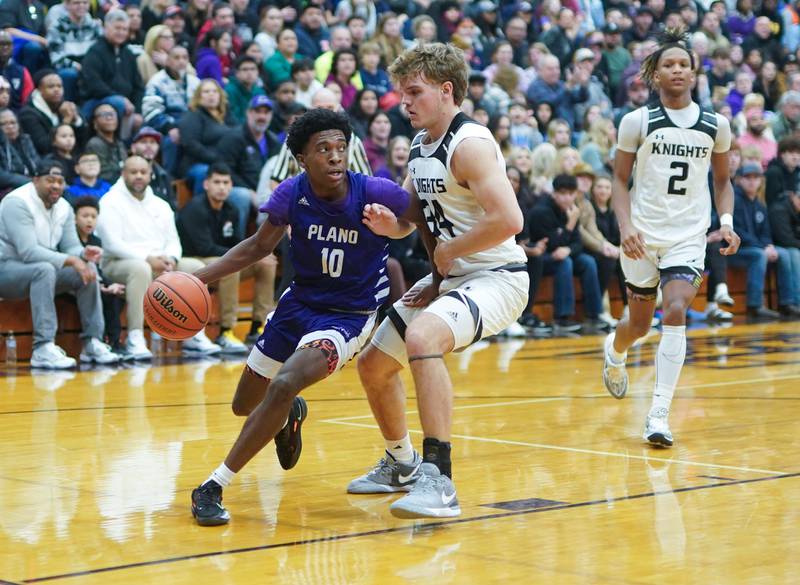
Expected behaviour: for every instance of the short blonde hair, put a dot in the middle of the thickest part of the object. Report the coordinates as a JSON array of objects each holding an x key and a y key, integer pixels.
[{"x": 436, "y": 63}]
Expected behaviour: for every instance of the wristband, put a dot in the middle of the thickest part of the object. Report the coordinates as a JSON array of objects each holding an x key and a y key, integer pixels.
[{"x": 726, "y": 219}]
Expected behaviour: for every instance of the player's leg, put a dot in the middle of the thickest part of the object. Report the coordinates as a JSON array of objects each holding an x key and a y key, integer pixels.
[
  {"x": 642, "y": 288},
  {"x": 379, "y": 368},
  {"x": 679, "y": 287},
  {"x": 250, "y": 392}
]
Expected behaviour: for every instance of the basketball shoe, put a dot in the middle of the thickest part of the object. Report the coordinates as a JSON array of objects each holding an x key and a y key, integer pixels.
[
  {"x": 656, "y": 428},
  {"x": 433, "y": 496},
  {"x": 288, "y": 443},
  {"x": 207, "y": 507},
  {"x": 388, "y": 475},
  {"x": 615, "y": 377}
]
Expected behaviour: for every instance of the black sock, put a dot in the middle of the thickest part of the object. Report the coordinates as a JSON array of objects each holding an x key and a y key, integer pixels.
[
  {"x": 254, "y": 327},
  {"x": 437, "y": 452}
]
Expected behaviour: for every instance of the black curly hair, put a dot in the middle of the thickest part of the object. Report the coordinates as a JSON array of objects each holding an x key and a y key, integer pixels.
[
  {"x": 313, "y": 121},
  {"x": 669, "y": 39}
]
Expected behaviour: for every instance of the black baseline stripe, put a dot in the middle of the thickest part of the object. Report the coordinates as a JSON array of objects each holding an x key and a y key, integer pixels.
[{"x": 400, "y": 529}]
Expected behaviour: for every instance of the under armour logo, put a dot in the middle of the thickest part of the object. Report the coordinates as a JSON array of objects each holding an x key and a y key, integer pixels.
[
  {"x": 659, "y": 136},
  {"x": 304, "y": 201}
]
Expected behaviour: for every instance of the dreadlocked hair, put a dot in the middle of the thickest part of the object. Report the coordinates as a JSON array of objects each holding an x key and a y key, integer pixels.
[{"x": 671, "y": 38}]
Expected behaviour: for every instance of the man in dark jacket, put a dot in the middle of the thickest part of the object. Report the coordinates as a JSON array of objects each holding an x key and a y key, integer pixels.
[
  {"x": 783, "y": 172},
  {"x": 245, "y": 149},
  {"x": 47, "y": 110},
  {"x": 750, "y": 221},
  {"x": 16, "y": 74},
  {"x": 556, "y": 218},
  {"x": 206, "y": 229},
  {"x": 784, "y": 218},
  {"x": 109, "y": 73}
]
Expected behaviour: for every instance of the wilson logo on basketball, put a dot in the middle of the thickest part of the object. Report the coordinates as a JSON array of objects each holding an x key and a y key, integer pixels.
[{"x": 167, "y": 304}]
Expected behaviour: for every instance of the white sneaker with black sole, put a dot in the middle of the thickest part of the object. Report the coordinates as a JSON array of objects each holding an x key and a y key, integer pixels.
[
  {"x": 656, "y": 428},
  {"x": 51, "y": 357}
]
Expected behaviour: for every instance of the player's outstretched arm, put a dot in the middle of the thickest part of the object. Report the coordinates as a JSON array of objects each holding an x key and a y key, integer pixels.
[
  {"x": 243, "y": 254},
  {"x": 723, "y": 199},
  {"x": 502, "y": 217},
  {"x": 631, "y": 240}
]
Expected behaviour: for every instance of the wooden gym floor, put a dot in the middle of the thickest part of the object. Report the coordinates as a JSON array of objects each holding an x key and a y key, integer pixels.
[{"x": 555, "y": 483}]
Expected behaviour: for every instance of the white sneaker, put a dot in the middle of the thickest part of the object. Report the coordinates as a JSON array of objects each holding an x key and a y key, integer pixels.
[
  {"x": 52, "y": 357},
  {"x": 722, "y": 296},
  {"x": 715, "y": 313},
  {"x": 656, "y": 428},
  {"x": 200, "y": 344},
  {"x": 136, "y": 347},
  {"x": 615, "y": 377},
  {"x": 514, "y": 330},
  {"x": 98, "y": 352},
  {"x": 606, "y": 318}
]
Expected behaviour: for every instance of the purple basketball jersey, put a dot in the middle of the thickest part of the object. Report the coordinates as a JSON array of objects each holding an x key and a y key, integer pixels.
[{"x": 339, "y": 262}]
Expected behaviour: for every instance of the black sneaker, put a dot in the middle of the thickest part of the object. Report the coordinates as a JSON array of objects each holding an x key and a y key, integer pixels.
[
  {"x": 762, "y": 314},
  {"x": 207, "y": 507},
  {"x": 789, "y": 311},
  {"x": 566, "y": 326},
  {"x": 288, "y": 443}
]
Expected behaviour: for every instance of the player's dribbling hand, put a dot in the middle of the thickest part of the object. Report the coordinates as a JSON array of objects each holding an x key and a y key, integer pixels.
[
  {"x": 380, "y": 219},
  {"x": 733, "y": 239},
  {"x": 442, "y": 259},
  {"x": 632, "y": 243},
  {"x": 420, "y": 296}
]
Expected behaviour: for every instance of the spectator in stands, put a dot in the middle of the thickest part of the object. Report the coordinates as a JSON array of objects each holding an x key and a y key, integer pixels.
[
  {"x": 312, "y": 35},
  {"x": 615, "y": 57},
  {"x": 216, "y": 45},
  {"x": 784, "y": 217},
  {"x": 146, "y": 144},
  {"x": 396, "y": 167},
  {"x": 157, "y": 43},
  {"x": 763, "y": 40},
  {"x": 173, "y": 19},
  {"x": 743, "y": 85},
  {"x": 599, "y": 143},
  {"x": 516, "y": 30},
  {"x": 41, "y": 256},
  {"x": 243, "y": 87},
  {"x": 388, "y": 37},
  {"x": 18, "y": 156},
  {"x": 502, "y": 56},
  {"x": 69, "y": 38},
  {"x": 340, "y": 39},
  {"x": 306, "y": 85},
  {"x": 787, "y": 120},
  {"x": 201, "y": 129},
  {"x": 344, "y": 73},
  {"x": 195, "y": 16},
  {"x": 5, "y": 93},
  {"x": 206, "y": 226},
  {"x": 88, "y": 181},
  {"x": 109, "y": 74},
  {"x": 135, "y": 32},
  {"x": 245, "y": 150},
  {"x": 141, "y": 241},
  {"x": 373, "y": 76},
  {"x": 222, "y": 17},
  {"x": 269, "y": 27},
  {"x": 783, "y": 172},
  {"x": 279, "y": 65},
  {"x": 364, "y": 107},
  {"x": 755, "y": 135},
  {"x": 376, "y": 144},
  {"x": 106, "y": 142},
  {"x": 549, "y": 88},
  {"x": 476, "y": 92},
  {"x": 153, "y": 12},
  {"x": 112, "y": 293},
  {"x": 769, "y": 85},
  {"x": 720, "y": 74},
  {"x": 638, "y": 94},
  {"x": 62, "y": 147},
  {"x": 717, "y": 294},
  {"x": 524, "y": 129},
  {"x": 24, "y": 21},
  {"x": 17, "y": 76},
  {"x": 606, "y": 222},
  {"x": 47, "y": 109},
  {"x": 751, "y": 223},
  {"x": 561, "y": 38},
  {"x": 284, "y": 106},
  {"x": 556, "y": 218}
]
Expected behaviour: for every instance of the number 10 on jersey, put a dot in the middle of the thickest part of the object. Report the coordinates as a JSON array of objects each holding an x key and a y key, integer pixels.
[{"x": 332, "y": 262}]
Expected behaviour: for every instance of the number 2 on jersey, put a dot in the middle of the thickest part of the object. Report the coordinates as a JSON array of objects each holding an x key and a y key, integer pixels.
[
  {"x": 332, "y": 262},
  {"x": 683, "y": 174},
  {"x": 436, "y": 219}
]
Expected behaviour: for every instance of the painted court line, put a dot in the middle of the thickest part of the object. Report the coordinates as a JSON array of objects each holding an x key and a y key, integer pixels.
[{"x": 577, "y": 450}]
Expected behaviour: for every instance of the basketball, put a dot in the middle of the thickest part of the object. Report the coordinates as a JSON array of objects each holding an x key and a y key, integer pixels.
[{"x": 177, "y": 305}]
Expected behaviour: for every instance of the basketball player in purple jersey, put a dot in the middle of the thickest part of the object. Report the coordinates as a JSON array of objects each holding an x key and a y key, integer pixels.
[{"x": 328, "y": 312}]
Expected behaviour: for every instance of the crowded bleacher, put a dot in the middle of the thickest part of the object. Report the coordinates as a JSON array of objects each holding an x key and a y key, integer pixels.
[{"x": 163, "y": 123}]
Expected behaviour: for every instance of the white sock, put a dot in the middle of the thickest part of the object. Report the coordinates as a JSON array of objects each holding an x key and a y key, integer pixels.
[
  {"x": 669, "y": 361},
  {"x": 402, "y": 450},
  {"x": 222, "y": 475},
  {"x": 616, "y": 357}
]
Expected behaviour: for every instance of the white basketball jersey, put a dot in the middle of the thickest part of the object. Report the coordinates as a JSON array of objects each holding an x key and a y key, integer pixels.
[
  {"x": 449, "y": 208},
  {"x": 670, "y": 198}
]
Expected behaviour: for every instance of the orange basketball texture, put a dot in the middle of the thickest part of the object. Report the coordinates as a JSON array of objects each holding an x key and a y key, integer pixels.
[{"x": 177, "y": 305}]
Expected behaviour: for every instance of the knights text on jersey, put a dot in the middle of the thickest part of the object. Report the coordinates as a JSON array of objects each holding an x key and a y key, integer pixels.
[
  {"x": 670, "y": 198},
  {"x": 449, "y": 208}
]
